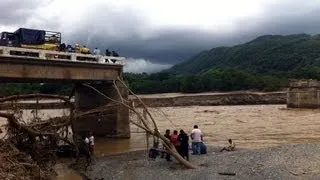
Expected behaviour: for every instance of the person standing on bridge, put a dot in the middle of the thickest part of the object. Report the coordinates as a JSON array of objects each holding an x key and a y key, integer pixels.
[
  {"x": 70, "y": 48},
  {"x": 77, "y": 48},
  {"x": 96, "y": 51},
  {"x": 108, "y": 53},
  {"x": 114, "y": 53}
]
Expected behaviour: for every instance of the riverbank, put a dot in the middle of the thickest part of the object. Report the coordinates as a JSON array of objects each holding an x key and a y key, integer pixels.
[
  {"x": 179, "y": 99},
  {"x": 281, "y": 162},
  {"x": 212, "y": 99}
]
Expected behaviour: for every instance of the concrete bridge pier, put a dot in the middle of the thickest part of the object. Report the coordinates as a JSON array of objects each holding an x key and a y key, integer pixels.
[
  {"x": 303, "y": 93},
  {"x": 114, "y": 122}
]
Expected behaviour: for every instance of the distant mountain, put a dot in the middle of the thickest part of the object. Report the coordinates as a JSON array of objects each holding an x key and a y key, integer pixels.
[{"x": 269, "y": 54}]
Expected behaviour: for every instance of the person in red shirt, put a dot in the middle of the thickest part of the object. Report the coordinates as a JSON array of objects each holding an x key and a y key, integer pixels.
[{"x": 175, "y": 141}]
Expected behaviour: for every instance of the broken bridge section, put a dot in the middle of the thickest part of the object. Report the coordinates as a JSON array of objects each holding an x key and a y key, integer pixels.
[
  {"x": 114, "y": 122},
  {"x": 303, "y": 94}
]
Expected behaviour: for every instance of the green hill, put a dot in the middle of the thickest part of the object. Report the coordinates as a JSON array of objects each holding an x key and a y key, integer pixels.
[
  {"x": 271, "y": 54},
  {"x": 265, "y": 63}
]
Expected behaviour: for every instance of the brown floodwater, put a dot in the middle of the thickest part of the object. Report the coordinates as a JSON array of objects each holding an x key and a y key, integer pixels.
[{"x": 250, "y": 126}]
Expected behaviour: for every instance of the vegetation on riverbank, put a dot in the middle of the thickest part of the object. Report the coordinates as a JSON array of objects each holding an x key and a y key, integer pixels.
[{"x": 212, "y": 80}]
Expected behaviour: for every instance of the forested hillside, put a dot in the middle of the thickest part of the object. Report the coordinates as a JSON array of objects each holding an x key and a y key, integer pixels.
[
  {"x": 265, "y": 63},
  {"x": 277, "y": 55}
]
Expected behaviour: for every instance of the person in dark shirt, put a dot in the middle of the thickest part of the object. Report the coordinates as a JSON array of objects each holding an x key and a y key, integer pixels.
[
  {"x": 115, "y": 54},
  {"x": 62, "y": 47},
  {"x": 167, "y": 135},
  {"x": 84, "y": 149},
  {"x": 108, "y": 53},
  {"x": 184, "y": 146},
  {"x": 69, "y": 48}
]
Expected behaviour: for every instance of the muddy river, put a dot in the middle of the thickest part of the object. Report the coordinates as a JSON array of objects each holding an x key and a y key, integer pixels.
[{"x": 250, "y": 126}]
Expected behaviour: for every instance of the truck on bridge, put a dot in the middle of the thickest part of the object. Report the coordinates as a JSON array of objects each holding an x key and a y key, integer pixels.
[
  {"x": 41, "y": 44},
  {"x": 32, "y": 39}
]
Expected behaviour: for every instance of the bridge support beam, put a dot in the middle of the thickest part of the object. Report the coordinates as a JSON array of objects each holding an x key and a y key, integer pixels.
[{"x": 114, "y": 122}]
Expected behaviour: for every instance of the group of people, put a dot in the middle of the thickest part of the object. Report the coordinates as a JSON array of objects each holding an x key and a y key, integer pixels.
[
  {"x": 97, "y": 52},
  {"x": 181, "y": 143},
  {"x": 85, "y": 50}
]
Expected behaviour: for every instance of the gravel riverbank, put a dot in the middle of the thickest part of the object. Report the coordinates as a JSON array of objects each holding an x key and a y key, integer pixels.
[{"x": 283, "y": 162}]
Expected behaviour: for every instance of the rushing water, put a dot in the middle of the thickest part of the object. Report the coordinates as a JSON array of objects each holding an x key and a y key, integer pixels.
[{"x": 251, "y": 126}]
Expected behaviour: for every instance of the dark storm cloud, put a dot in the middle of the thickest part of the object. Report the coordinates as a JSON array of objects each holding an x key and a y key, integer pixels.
[
  {"x": 287, "y": 23},
  {"x": 127, "y": 33},
  {"x": 123, "y": 31},
  {"x": 13, "y": 12},
  {"x": 169, "y": 46}
]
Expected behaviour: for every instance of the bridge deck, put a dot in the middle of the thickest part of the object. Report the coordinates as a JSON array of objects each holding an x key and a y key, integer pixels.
[
  {"x": 58, "y": 56},
  {"x": 29, "y": 65}
]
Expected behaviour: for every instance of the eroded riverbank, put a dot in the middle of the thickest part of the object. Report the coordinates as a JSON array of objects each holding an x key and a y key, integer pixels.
[{"x": 179, "y": 99}]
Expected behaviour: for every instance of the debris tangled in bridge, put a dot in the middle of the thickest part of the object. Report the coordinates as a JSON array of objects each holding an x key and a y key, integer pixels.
[
  {"x": 29, "y": 149},
  {"x": 31, "y": 146},
  {"x": 15, "y": 164}
]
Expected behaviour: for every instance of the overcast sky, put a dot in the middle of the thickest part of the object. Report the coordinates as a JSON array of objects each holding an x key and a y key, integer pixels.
[{"x": 157, "y": 34}]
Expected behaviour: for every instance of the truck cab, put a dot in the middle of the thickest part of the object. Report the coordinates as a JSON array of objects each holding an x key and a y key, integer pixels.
[{"x": 7, "y": 39}]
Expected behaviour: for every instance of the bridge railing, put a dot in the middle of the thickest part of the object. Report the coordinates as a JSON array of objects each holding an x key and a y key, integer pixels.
[{"x": 59, "y": 56}]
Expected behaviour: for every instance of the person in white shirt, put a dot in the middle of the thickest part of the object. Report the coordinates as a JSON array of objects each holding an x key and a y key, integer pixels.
[
  {"x": 86, "y": 149},
  {"x": 96, "y": 51},
  {"x": 86, "y": 141},
  {"x": 197, "y": 138}
]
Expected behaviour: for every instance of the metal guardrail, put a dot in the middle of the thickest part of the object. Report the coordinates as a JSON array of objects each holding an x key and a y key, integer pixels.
[{"x": 59, "y": 56}]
